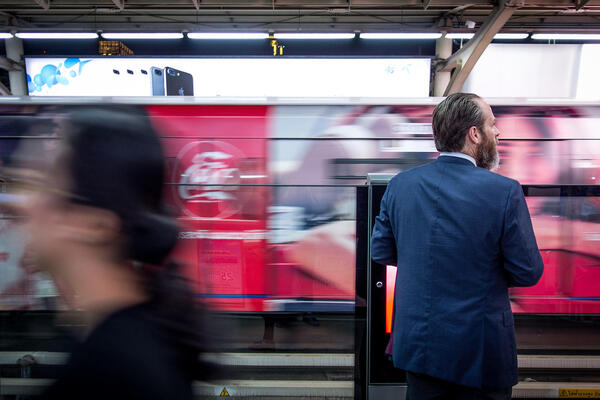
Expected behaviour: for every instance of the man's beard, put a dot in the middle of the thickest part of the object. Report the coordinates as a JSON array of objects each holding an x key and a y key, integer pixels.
[{"x": 487, "y": 155}]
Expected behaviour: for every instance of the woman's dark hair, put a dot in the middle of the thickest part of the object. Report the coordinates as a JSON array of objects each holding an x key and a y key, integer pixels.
[
  {"x": 452, "y": 119},
  {"x": 114, "y": 161}
]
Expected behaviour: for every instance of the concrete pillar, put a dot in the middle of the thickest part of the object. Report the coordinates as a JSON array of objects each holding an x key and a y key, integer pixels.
[
  {"x": 441, "y": 79},
  {"x": 18, "y": 79}
]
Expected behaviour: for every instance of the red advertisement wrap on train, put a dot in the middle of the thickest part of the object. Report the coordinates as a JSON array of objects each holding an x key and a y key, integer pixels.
[
  {"x": 266, "y": 196},
  {"x": 223, "y": 226}
]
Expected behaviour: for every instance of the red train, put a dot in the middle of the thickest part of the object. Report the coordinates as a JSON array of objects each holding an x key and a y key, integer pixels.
[{"x": 267, "y": 199}]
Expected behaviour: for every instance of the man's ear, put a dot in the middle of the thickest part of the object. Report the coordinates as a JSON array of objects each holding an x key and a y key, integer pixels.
[
  {"x": 474, "y": 135},
  {"x": 89, "y": 225}
]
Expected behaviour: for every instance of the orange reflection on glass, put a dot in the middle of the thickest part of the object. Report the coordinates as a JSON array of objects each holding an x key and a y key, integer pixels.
[{"x": 390, "y": 284}]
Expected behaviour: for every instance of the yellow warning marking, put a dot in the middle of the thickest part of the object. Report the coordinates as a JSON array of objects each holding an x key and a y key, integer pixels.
[
  {"x": 224, "y": 393},
  {"x": 579, "y": 393}
]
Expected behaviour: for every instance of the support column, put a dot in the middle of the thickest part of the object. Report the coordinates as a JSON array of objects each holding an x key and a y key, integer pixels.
[
  {"x": 441, "y": 79},
  {"x": 18, "y": 79},
  {"x": 465, "y": 59}
]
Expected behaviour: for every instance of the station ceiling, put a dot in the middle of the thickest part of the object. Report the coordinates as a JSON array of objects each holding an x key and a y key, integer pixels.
[{"x": 293, "y": 16}]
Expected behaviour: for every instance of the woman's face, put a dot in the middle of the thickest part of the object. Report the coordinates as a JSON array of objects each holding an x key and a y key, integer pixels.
[
  {"x": 48, "y": 212},
  {"x": 64, "y": 230}
]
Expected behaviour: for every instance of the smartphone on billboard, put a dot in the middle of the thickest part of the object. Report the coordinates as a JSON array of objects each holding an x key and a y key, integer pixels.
[
  {"x": 178, "y": 83},
  {"x": 158, "y": 81}
]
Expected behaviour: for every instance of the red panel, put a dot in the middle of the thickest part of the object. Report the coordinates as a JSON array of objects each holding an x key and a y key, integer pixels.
[{"x": 209, "y": 150}]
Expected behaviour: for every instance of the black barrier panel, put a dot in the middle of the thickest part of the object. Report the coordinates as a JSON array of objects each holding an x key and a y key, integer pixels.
[
  {"x": 381, "y": 368},
  {"x": 360, "y": 307}
]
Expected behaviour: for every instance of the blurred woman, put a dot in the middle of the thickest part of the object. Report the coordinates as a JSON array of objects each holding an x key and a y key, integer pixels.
[{"x": 99, "y": 227}]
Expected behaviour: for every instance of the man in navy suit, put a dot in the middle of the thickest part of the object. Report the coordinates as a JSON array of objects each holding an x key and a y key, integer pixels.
[{"x": 460, "y": 236}]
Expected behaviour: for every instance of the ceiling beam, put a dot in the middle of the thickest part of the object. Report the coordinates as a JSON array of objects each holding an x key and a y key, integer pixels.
[
  {"x": 458, "y": 9},
  {"x": 10, "y": 64},
  {"x": 45, "y": 4},
  {"x": 12, "y": 19},
  {"x": 465, "y": 58},
  {"x": 119, "y": 3}
]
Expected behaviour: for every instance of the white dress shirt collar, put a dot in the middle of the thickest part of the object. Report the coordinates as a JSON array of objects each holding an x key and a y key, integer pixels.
[{"x": 459, "y": 155}]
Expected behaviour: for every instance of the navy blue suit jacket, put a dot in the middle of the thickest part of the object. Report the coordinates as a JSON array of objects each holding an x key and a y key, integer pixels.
[{"x": 460, "y": 236}]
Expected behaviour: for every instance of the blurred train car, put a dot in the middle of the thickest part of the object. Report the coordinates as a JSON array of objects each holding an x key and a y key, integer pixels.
[
  {"x": 267, "y": 201},
  {"x": 542, "y": 146}
]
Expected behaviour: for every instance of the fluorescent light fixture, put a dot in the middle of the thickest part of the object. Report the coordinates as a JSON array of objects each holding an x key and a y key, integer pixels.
[
  {"x": 314, "y": 35},
  {"x": 565, "y": 36},
  {"x": 228, "y": 35},
  {"x": 400, "y": 35},
  {"x": 459, "y": 35},
  {"x": 511, "y": 36},
  {"x": 5, "y": 35},
  {"x": 135, "y": 35},
  {"x": 57, "y": 35}
]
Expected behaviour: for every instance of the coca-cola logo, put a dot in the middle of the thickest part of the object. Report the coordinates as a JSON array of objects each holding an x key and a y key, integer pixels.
[{"x": 207, "y": 172}]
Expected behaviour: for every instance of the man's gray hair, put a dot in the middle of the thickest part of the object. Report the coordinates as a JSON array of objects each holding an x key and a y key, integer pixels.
[{"x": 453, "y": 118}]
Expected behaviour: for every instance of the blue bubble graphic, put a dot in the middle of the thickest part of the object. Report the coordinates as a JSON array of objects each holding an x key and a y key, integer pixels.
[
  {"x": 81, "y": 64},
  {"x": 69, "y": 62},
  {"x": 62, "y": 80},
  {"x": 49, "y": 75}
]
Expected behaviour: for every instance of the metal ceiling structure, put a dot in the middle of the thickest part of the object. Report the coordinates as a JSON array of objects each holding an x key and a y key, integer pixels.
[{"x": 293, "y": 15}]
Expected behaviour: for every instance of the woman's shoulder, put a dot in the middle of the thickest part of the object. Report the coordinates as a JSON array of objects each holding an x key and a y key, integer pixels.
[
  {"x": 127, "y": 355},
  {"x": 129, "y": 336}
]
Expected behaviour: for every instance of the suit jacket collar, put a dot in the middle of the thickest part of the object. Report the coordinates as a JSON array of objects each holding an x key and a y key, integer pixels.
[{"x": 454, "y": 160}]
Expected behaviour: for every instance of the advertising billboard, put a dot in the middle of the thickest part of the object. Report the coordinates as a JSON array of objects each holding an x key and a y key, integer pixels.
[{"x": 229, "y": 77}]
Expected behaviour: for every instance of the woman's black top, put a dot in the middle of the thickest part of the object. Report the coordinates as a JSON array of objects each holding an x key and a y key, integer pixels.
[{"x": 127, "y": 356}]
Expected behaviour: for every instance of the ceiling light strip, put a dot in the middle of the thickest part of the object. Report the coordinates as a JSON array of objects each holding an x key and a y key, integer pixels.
[
  {"x": 228, "y": 35},
  {"x": 136, "y": 35},
  {"x": 511, "y": 36},
  {"x": 498, "y": 36},
  {"x": 404, "y": 35},
  {"x": 310, "y": 36},
  {"x": 565, "y": 36},
  {"x": 57, "y": 35}
]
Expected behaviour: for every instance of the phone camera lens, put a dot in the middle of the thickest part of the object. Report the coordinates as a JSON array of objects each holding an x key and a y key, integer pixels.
[
  {"x": 171, "y": 72},
  {"x": 158, "y": 72}
]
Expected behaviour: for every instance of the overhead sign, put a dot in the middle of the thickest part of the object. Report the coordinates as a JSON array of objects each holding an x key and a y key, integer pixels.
[{"x": 229, "y": 77}]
